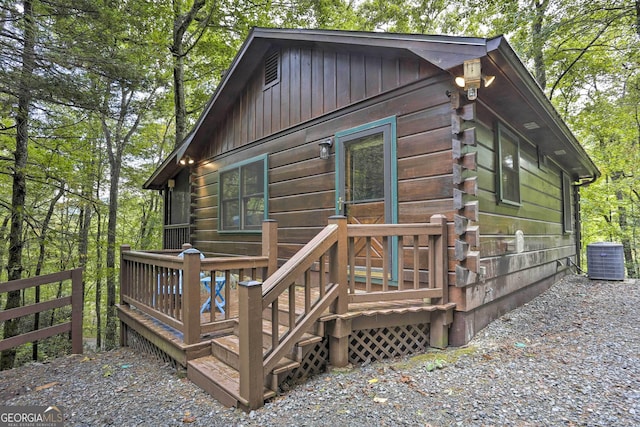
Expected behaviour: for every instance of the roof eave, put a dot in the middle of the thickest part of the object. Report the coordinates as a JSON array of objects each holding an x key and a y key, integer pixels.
[{"x": 531, "y": 89}]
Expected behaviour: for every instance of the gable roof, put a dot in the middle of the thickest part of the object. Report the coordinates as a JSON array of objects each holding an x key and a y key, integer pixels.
[{"x": 445, "y": 52}]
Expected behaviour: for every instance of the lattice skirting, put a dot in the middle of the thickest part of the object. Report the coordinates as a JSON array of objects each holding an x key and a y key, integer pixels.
[
  {"x": 143, "y": 345},
  {"x": 314, "y": 362},
  {"x": 368, "y": 345}
]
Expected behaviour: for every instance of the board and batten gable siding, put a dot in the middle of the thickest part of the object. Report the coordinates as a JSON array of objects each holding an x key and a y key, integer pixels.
[
  {"x": 301, "y": 187},
  {"x": 312, "y": 83}
]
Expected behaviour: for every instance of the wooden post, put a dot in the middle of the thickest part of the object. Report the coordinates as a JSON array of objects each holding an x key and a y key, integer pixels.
[
  {"x": 191, "y": 296},
  {"x": 125, "y": 287},
  {"x": 338, "y": 264},
  {"x": 76, "y": 311},
  {"x": 340, "y": 330},
  {"x": 270, "y": 244},
  {"x": 125, "y": 276},
  {"x": 439, "y": 329},
  {"x": 440, "y": 259},
  {"x": 250, "y": 336}
]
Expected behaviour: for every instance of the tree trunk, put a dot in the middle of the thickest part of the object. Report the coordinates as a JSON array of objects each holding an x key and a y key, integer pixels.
[
  {"x": 537, "y": 42},
  {"x": 99, "y": 283},
  {"x": 638, "y": 17},
  {"x": 3, "y": 238},
  {"x": 111, "y": 336},
  {"x": 14, "y": 265},
  {"x": 146, "y": 224},
  {"x": 41, "y": 249},
  {"x": 181, "y": 23}
]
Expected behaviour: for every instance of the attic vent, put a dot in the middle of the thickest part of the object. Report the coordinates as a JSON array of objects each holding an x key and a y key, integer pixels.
[{"x": 271, "y": 68}]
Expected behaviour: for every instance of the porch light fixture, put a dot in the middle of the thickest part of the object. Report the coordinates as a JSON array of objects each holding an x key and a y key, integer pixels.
[
  {"x": 473, "y": 78},
  {"x": 325, "y": 148},
  {"x": 186, "y": 161}
]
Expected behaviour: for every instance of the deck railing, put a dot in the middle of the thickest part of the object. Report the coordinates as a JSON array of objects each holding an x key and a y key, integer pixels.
[
  {"x": 342, "y": 266},
  {"x": 175, "y": 235},
  {"x": 74, "y": 300},
  {"x": 330, "y": 262},
  {"x": 168, "y": 288},
  {"x": 420, "y": 256}
]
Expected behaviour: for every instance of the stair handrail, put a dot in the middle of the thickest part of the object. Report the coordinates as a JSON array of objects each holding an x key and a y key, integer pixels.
[
  {"x": 328, "y": 240},
  {"x": 276, "y": 284},
  {"x": 279, "y": 282}
]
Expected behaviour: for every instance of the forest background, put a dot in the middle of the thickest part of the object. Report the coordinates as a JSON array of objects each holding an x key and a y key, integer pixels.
[{"x": 95, "y": 93}]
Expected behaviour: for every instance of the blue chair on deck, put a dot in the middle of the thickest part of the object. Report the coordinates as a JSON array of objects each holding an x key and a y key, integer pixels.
[{"x": 218, "y": 298}]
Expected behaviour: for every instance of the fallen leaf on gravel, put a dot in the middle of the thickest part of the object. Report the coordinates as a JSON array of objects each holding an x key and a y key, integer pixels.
[
  {"x": 106, "y": 371},
  {"x": 380, "y": 399},
  {"x": 424, "y": 393},
  {"x": 405, "y": 379},
  {"x": 373, "y": 380},
  {"x": 46, "y": 386},
  {"x": 86, "y": 359},
  {"x": 188, "y": 418}
]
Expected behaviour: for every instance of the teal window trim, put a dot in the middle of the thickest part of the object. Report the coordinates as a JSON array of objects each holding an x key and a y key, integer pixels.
[
  {"x": 512, "y": 172},
  {"x": 239, "y": 166},
  {"x": 388, "y": 126}
]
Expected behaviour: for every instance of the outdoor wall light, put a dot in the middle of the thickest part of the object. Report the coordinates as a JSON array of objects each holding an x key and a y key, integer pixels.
[
  {"x": 325, "y": 148},
  {"x": 473, "y": 78},
  {"x": 186, "y": 161}
]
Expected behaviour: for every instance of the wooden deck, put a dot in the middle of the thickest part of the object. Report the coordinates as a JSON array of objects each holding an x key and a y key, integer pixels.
[{"x": 287, "y": 323}]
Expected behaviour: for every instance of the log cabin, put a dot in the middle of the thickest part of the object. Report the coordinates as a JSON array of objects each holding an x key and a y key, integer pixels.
[{"x": 312, "y": 129}]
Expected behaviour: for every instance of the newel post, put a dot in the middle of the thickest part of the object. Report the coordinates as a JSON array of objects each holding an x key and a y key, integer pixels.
[
  {"x": 270, "y": 244},
  {"x": 340, "y": 329},
  {"x": 191, "y": 296},
  {"x": 439, "y": 328},
  {"x": 250, "y": 336},
  {"x": 125, "y": 286},
  {"x": 440, "y": 259},
  {"x": 338, "y": 264}
]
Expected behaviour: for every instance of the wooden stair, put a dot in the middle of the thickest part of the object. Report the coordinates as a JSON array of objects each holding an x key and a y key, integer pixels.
[{"x": 218, "y": 373}]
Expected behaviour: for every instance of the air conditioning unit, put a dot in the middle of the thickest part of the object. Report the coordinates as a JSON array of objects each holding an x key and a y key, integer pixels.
[{"x": 605, "y": 261}]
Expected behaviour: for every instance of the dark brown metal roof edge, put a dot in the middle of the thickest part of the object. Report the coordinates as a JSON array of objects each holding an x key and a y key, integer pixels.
[{"x": 500, "y": 46}]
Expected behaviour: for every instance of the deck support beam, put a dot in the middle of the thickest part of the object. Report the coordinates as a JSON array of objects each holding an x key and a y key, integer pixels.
[{"x": 339, "y": 331}]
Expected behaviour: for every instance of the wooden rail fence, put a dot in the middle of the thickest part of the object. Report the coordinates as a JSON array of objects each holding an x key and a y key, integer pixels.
[{"x": 74, "y": 300}]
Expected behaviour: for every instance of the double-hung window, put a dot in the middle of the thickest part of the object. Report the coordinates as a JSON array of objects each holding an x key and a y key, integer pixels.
[
  {"x": 508, "y": 162},
  {"x": 243, "y": 195}
]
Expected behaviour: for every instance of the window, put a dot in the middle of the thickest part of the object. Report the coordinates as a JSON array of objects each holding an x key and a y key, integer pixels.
[
  {"x": 364, "y": 169},
  {"x": 567, "y": 207},
  {"x": 243, "y": 196},
  {"x": 508, "y": 173}
]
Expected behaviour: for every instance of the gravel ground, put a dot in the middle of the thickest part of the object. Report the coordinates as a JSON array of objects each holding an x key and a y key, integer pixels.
[{"x": 569, "y": 357}]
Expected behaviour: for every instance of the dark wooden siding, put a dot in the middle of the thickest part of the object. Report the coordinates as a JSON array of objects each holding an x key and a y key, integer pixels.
[
  {"x": 540, "y": 214},
  {"x": 539, "y": 217},
  {"x": 302, "y": 186},
  {"x": 312, "y": 83}
]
